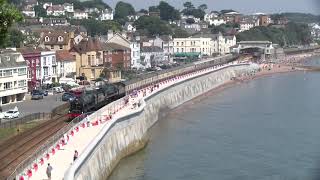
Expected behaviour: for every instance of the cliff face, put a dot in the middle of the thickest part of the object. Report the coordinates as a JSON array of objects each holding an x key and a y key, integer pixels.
[{"x": 130, "y": 134}]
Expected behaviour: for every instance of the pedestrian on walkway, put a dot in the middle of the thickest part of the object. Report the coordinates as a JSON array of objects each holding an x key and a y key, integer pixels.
[
  {"x": 75, "y": 156},
  {"x": 49, "y": 169}
]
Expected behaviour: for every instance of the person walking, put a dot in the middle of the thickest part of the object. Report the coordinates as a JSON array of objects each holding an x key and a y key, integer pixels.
[
  {"x": 75, "y": 156},
  {"x": 49, "y": 169}
]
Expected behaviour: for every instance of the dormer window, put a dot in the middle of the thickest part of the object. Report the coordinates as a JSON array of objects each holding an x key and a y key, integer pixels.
[
  {"x": 8, "y": 58},
  {"x": 60, "y": 38},
  {"x": 47, "y": 39}
]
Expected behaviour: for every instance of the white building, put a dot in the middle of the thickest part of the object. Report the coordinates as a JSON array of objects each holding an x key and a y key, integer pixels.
[
  {"x": 68, "y": 7},
  {"x": 135, "y": 54},
  {"x": 245, "y": 26},
  {"x": 48, "y": 72},
  {"x": 13, "y": 77},
  {"x": 29, "y": 12},
  {"x": 107, "y": 14},
  {"x": 152, "y": 56},
  {"x": 211, "y": 15},
  {"x": 205, "y": 44},
  {"x": 56, "y": 10},
  {"x": 166, "y": 44},
  {"x": 80, "y": 14},
  {"x": 201, "y": 45},
  {"x": 129, "y": 27},
  {"x": 46, "y": 5},
  {"x": 66, "y": 64},
  {"x": 185, "y": 17},
  {"x": 217, "y": 21}
]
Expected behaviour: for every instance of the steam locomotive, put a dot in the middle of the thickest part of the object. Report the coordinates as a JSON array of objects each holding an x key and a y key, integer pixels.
[{"x": 92, "y": 99}]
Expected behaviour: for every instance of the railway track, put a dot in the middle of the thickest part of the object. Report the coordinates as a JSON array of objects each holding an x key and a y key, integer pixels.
[{"x": 16, "y": 149}]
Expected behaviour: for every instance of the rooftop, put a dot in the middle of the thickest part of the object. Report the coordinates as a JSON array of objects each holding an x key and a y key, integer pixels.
[{"x": 11, "y": 59}]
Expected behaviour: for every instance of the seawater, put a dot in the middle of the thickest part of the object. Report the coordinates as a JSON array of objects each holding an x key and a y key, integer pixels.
[{"x": 268, "y": 128}]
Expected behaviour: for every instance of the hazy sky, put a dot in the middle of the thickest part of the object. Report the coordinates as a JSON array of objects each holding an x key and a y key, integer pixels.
[{"x": 244, "y": 6}]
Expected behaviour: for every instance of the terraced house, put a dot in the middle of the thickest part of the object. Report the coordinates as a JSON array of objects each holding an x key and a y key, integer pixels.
[{"x": 13, "y": 77}]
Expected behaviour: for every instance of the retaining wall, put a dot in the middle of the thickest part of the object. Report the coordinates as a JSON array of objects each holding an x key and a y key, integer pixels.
[{"x": 130, "y": 133}]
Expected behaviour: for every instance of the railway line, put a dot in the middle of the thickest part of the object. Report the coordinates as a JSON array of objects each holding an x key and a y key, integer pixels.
[{"x": 16, "y": 149}]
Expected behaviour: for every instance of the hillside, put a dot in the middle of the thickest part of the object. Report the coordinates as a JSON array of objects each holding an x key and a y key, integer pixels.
[{"x": 292, "y": 34}]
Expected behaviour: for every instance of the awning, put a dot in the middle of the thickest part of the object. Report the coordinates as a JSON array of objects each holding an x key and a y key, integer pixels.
[{"x": 187, "y": 54}]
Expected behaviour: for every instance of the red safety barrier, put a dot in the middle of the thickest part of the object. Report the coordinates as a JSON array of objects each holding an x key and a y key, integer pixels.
[
  {"x": 95, "y": 123},
  {"x": 29, "y": 173},
  {"x": 53, "y": 151},
  {"x": 83, "y": 125},
  {"x": 72, "y": 133},
  {"x": 77, "y": 129},
  {"x": 35, "y": 167},
  {"x": 21, "y": 178},
  {"x": 63, "y": 142},
  {"x": 41, "y": 161},
  {"x": 48, "y": 156},
  {"x": 58, "y": 147},
  {"x": 68, "y": 137}
]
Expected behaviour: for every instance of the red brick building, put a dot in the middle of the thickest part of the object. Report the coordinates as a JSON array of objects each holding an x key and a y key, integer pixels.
[{"x": 116, "y": 56}]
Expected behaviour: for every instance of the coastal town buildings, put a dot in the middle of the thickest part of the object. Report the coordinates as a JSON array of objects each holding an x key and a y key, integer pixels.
[
  {"x": 66, "y": 64},
  {"x": 152, "y": 56},
  {"x": 106, "y": 14},
  {"x": 68, "y": 7},
  {"x": 13, "y": 77},
  {"x": 56, "y": 40},
  {"x": 55, "y": 10},
  {"x": 199, "y": 45},
  {"x": 78, "y": 14}
]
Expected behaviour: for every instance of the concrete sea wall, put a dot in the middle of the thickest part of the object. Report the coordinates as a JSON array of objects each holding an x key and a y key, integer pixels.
[{"x": 130, "y": 133}]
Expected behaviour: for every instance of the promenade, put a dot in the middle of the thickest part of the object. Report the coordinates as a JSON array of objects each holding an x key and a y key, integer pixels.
[{"x": 61, "y": 157}]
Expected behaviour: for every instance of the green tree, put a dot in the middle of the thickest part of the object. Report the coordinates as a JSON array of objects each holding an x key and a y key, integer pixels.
[
  {"x": 168, "y": 12},
  {"x": 95, "y": 27},
  {"x": 151, "y": 26},
  {"x": 8, "y": 15},
  {"x": 180, "y": 33},
  {"x": 144, "y": 11},
  {"x": 15, "y": 38},
  {"x": 40, "y": 12},
  {"x": 153, "y": 9},
  {"x": 188, "y": 5},
  {"x": 203, "y": 7},
  {"x": 122, "y": 10}
]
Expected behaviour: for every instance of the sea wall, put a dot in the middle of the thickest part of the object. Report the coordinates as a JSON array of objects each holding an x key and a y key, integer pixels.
[{"x": 130, "y": 133}]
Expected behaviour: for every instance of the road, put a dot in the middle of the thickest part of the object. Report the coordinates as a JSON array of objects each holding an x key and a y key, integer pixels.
[{"x": 33, "y": 106}]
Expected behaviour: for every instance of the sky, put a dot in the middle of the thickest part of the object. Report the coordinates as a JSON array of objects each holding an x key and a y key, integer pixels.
[{"x": 244, "y": 6}]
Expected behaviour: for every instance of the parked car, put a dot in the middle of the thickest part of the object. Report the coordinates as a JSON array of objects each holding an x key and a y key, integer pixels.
[
  {"x": 36, "y": 95},
  {"x": 11, "y": 114},
  {"x": 68, "y": 97},
  {"x": 57, "y": 90},
  {"x": 45, "y": 93}
]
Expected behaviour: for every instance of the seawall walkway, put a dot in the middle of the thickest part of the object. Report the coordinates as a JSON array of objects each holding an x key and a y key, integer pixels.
[{"x": 60, "y": 156}]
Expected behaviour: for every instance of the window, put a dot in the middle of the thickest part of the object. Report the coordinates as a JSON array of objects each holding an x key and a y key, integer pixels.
[
  {"x": 7, "y": 85},
  {"x": 44, "y": 61},
  {"x": 182, "y": 50},
  {"x": 45, "y": 71},
  {"x": 1, "y": 73},
  {"x": 22, "y": 83},
  {"x": 22, "y": 71},
  {"x": 177, "y": 43},
  {"x": 47, "y": 39},
  {"x": 93, "y": 73},
  {"x": 181, "y": 43},
  {"x": 54, "y": 60},
  {"x": 60, "y": 47},
  {"x": 60, "y": 38},
  {"x": 29, "y": 74},
  {"x": 38, "y": 72},
  {"x": 52, "y": 47},
  {"x": 7, "y": 73}
]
